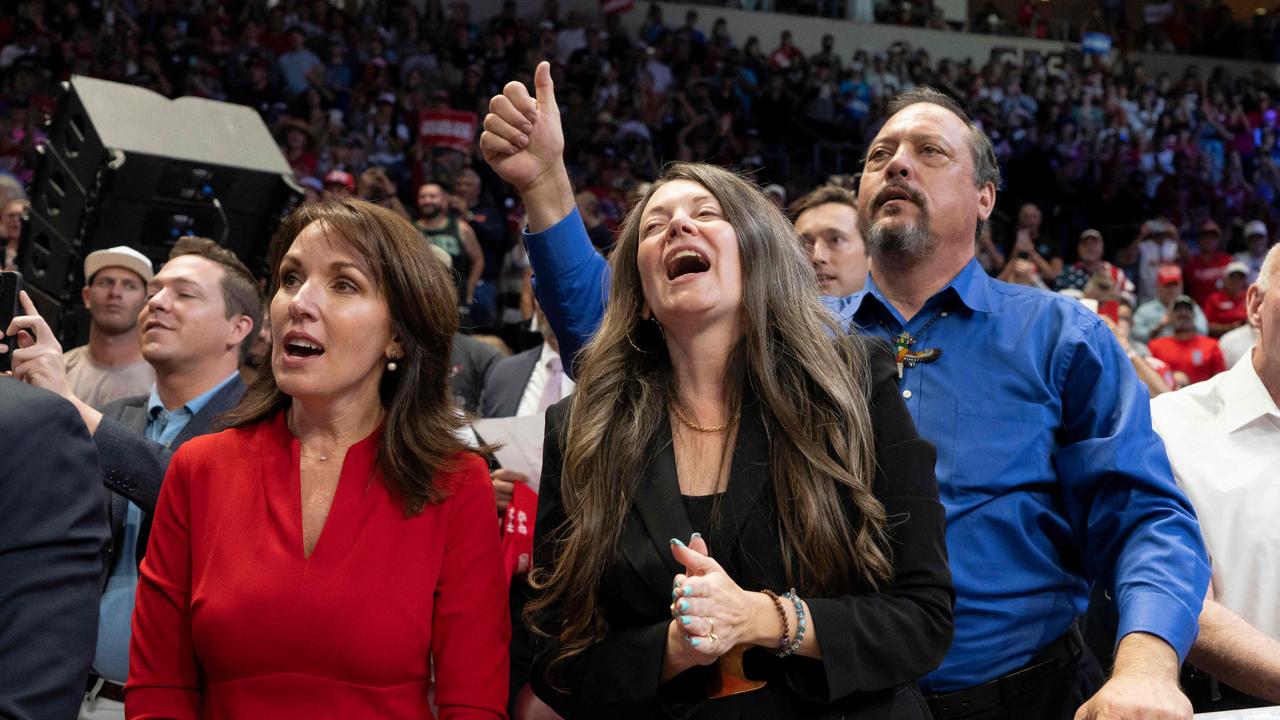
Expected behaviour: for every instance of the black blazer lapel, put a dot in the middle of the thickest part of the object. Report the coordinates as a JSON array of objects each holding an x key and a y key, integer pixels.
[
  {"x": 748, "y": 527},
  {"x": 660, "y": 509}
]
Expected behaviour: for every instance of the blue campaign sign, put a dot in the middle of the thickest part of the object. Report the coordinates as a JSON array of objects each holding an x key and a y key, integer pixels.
[{"x": 1095, "y": 43}]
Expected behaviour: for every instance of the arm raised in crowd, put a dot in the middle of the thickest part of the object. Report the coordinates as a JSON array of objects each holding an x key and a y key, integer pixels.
[
  {"x": 524, "y": 144},
  {"x": 132, "y": 465}
]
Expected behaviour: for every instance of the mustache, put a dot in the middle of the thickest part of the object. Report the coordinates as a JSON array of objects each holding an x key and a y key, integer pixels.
[{"x": 896, "y": 187}]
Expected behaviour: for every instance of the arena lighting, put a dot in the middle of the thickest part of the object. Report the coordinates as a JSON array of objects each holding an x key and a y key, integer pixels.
[{"x": 125, "y": 165}]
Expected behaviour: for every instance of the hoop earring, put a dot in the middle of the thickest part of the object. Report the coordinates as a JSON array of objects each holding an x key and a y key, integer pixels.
[
  {"x": 647, "y": 321},
  {"x": 637, "y": 347}
]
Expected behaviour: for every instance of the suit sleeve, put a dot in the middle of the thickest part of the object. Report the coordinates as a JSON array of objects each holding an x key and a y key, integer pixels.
[
  {"x": 471, "y": 627},
  {"x": 164, "y": 675},
  {"x": 571, "y": 281},
  {"x": 131, "y": 464},
  {"x": 51, "y": 554},
  {"x": 622, "y": 670},
  {"x": 877, "y": 640}
]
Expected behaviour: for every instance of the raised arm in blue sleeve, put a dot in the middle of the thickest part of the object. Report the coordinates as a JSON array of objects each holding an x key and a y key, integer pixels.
[
  {"x": 1138, "y": 532},
  {"x": 571, "y": 282}
]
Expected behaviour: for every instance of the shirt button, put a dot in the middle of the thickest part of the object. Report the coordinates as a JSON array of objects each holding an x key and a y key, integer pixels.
[
  {"x": 906, "y": 394},
  {"x": 944, "y": 313}
]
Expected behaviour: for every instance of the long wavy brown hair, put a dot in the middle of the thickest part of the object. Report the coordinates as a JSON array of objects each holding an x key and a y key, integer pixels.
[
  {"x": 812, "y": 394},
  {"x": 420, "y": 433}
]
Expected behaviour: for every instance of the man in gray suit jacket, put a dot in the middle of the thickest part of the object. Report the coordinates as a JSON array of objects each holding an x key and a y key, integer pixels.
[
  {"x": 523, "y": 384},
  {"x": 197, "y": 324},
  {"x": 51, "y": 546}
]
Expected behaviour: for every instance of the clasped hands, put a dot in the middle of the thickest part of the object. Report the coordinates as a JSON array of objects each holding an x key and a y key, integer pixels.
[{"x": 708, "y": 608}]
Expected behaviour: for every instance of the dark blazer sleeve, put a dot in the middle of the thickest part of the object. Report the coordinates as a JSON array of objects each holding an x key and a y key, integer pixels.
[
  {"x": 131, "y": 464},
  {"x": 51, "y": 553},
  {"x": 876, "y": 640},
  {"x": 631, "y": 674},
  {"x": 134, "y": 466}
]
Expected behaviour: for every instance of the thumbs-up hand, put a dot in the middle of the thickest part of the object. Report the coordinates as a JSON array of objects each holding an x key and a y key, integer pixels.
[
  {"x": 712, "y": 612},
  {"x": 522, "y": 140}
]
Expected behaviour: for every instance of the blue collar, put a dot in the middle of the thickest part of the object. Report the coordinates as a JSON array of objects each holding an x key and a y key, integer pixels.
[
  {"x": 972, "y": 286},
  {"x": 195, "y": 404}
]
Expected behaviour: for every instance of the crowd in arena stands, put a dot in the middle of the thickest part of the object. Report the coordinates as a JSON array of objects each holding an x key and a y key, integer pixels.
[
  {"x": 1116, "y": 179},
  {"x": 1183, "y": 27},
  {"x": 1151, "y": 199}
]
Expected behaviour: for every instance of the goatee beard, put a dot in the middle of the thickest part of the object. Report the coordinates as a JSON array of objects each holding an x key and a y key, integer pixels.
[{"x": 910, "y": 244}]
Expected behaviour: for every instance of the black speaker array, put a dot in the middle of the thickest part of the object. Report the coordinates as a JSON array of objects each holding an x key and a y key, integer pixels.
[{"x": 126, "y": 166}]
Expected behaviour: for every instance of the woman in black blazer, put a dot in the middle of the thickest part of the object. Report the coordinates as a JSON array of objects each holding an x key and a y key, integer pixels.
[{"x": 713, "y": 401}]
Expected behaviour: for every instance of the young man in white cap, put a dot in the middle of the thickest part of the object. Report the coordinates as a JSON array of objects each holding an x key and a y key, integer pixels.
[
  {"x": 111, "y": 366},
  {"x": 1256, "y": 243}
]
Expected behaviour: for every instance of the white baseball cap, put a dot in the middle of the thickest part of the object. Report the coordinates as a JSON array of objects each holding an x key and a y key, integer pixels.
[
  {"x": 118, "y": 256},
  {"x": 1255, "y": 227}
]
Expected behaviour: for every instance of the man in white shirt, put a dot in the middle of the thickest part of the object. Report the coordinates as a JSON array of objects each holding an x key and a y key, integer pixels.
[
  {"x": 111, "y": 365},
  {"x": 1223, "y": 440}
]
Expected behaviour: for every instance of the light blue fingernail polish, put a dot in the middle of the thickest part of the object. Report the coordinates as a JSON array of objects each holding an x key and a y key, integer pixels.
[
  {"x": 684, "y": 606},
  {"x": 685, "y": 619},
  {"x": 676, "y": 541},
  {"x": 688, "y": 590},
  {"x": 675, "y": 594},
  {"x": 695, "y": 536},
  {"x": 693, "y": 642}
]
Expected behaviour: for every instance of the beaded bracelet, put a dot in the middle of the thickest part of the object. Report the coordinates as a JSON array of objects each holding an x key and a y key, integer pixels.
[
  {"x": 786, "y": 626},
  {"x": 801, "y": 623}
]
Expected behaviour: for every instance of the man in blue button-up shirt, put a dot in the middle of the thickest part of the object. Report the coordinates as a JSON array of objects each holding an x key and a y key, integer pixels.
[{"x": 1047, "y": 463}]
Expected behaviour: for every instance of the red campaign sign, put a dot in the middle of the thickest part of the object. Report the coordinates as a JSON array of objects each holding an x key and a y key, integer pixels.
[
  {"x": 616, "y": 6},
  {"x": 453, "y": 129}
]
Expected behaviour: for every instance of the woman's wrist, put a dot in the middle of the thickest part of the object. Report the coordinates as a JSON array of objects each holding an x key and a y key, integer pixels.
[{"x": 766, "y": 628}]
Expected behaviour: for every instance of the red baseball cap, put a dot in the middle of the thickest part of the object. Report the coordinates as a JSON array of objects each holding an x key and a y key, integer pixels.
[
  {"x": 340, "y": 177},
  {"x": 1168, "y": 274}
]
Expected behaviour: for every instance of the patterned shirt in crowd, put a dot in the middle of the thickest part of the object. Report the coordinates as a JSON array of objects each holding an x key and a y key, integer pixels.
[{"x": 1076, "y": 276}]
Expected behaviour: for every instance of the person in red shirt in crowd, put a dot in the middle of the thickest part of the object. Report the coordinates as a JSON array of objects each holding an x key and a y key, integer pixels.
[
  {"x": 1187, "y": 351},
  {"x": 786, "y": 55},
  {"x": 1225, "y": 308},
  {"x": 1205, "y": 268}
]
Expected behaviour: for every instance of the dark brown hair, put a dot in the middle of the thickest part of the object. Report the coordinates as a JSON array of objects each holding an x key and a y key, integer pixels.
[
  {"x": 421, "y": 431},
  {"x": 812, "y": 394},
  {"x": 240, "y": 292},
  {"x": 821, "y": 196}
]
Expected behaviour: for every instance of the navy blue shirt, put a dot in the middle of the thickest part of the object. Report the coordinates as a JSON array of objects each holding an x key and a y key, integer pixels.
[{"x": 1048, "y": 466}]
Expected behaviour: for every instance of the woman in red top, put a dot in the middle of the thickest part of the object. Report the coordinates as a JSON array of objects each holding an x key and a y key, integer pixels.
[{"x": 335, "y": 554}]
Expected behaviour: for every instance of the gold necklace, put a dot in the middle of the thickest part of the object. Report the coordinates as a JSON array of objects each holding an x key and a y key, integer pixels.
[{"x": 694, "y": 426}]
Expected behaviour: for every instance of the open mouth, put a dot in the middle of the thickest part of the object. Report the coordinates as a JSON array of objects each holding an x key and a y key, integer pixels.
[
  {"x": 896, "y": 193},
  {"x": 686, "y": 262},
  {"x": 302, "y": 349}
]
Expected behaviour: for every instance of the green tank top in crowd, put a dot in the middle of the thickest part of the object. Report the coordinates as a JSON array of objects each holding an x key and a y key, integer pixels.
[{"x": 448, "y": 239}]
